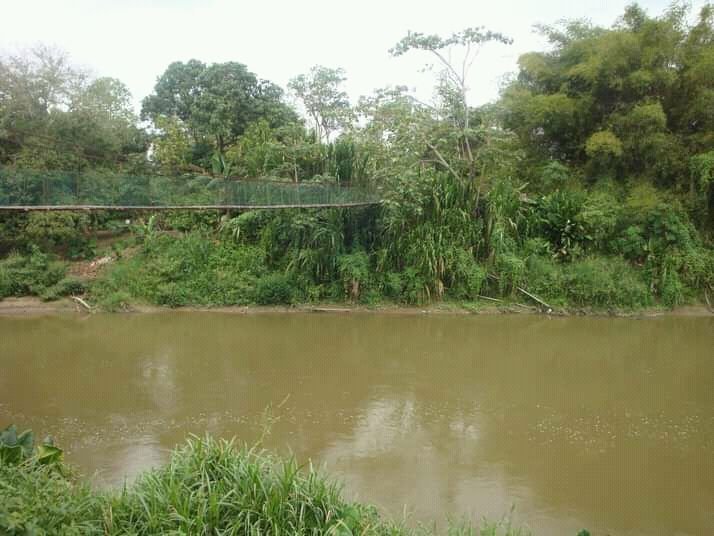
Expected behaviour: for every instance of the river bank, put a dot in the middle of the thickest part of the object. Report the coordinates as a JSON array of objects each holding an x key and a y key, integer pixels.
[{"x": 31, "y": 305}]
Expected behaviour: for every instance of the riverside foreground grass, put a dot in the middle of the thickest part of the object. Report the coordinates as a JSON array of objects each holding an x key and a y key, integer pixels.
[{"x": 209, "y": 486}]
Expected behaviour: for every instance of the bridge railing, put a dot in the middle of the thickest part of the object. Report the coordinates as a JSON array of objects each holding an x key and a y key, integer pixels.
[{"x": 21, "y": 188}]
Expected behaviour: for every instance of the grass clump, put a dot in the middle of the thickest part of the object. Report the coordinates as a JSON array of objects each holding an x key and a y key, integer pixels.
[
  {"x": 208, "y": 487},
  {"x": 214, "y": 487}
]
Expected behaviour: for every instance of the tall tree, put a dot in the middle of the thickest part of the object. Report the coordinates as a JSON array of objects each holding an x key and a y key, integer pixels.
[
  {"x": 453, "y": 109},
  {"x": 54, "y": 115},
  {"x": 325, "y": 102},
  {"x": 215, "y": 102}
]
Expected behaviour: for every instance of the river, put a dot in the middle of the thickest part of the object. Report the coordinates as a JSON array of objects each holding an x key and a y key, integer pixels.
[{"x": 598, "y": 423}]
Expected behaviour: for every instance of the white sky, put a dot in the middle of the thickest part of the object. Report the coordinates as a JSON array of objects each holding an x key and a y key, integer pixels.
[{"x": 135, "y": 40}]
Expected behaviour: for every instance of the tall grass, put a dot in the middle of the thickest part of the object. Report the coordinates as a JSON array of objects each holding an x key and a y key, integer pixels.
[{"x": 208, "y": 487}]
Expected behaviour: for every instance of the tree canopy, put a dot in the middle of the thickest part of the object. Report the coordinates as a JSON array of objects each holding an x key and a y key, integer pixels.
[
  {"x": 216, "y": 102},
  {"x": 634, "y": 100},
  {"x": 55, "y": 116}
]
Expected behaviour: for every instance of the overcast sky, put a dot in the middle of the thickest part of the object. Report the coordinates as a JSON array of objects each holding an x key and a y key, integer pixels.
[{"x": 135, "y": 40}]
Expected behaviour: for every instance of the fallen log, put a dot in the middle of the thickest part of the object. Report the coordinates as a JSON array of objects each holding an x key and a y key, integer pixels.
[
  {"x": 487, "y": 298},
  {"x": 524, "y": 291},
  {"x": 81, "y": 302},
  {"x": 535, "y": 298}
]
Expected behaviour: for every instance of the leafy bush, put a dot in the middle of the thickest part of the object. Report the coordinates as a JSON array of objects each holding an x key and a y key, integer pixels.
[
  {"x": 115, "y": 301},
  {"x": 554, "y": 175},
  {"x": 545, "y": 278},
  {"x": 605, "y": 282},
  {"x": 244, "y": 228},
  {"x": 274, "y": 289},
  {"x": 59, "y": 231},
  {"x": 354, "y": 272},
  {"x": 68, "y": 286},
  {"x": 38, "y": 500},
  {"x": 670, "y": 285},
  {"x": 467, "y": 276},
  {"x": 192, "y": 269},
  {"x": 29, "y": 275},
  {"x": 599, "y": 217},
  {"x": 557, "y": 219},
  {"x": 510, "y": 270}
]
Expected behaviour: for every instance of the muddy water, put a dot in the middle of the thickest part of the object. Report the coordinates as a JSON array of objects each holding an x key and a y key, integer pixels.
[{"x": 599, "y": 423}]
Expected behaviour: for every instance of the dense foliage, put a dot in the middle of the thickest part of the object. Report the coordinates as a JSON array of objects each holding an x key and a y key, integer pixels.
[
  {"x": 631, "y": 102},
  {"x": 588, "y": 184}
]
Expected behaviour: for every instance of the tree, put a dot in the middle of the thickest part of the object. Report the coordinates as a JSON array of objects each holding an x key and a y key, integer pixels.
[
  {"x": 172, "y": 149},
  {"x": 453, "y": 108},
  {"x": 33, "y": 85},
  {"x": 53, "y": 115},
  {"x": 633, "y": 100},
  {"x": 435, "y": 159},
  {"x": 175, "y": 92},
  {"x": 215, "y": 102},
  {"x": 327, "y": 105}
]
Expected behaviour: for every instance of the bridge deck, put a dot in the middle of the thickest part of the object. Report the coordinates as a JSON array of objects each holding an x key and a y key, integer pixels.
[{"x": 27, "y": 191}]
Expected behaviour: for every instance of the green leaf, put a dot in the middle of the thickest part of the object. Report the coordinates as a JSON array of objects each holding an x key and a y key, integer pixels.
[
  {"x": 10, "y": 454},
  {"x": 9, "y": 435},
  {"x": 26, "y": 440},
  {"x": 49, "y": 455}
]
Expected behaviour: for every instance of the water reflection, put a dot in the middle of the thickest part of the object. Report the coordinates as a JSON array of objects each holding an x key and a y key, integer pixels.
[{"x": 604, "y": 423}]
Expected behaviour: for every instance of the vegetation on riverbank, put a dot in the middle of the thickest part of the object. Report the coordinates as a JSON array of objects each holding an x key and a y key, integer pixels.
[
  {"x": 208, "y": 486},
  {"x": 588, "y": 184},
  {"x": 257, "y": 258}
]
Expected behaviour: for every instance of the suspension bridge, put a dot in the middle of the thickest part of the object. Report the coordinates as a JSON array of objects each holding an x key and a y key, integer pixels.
[{"x": 25, "y": 191}]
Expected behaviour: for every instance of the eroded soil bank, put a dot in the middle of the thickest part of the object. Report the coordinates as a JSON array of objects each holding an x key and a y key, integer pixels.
[{"x": 35, "y": 306}]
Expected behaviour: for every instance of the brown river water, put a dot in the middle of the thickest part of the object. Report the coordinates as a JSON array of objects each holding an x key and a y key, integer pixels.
[{"x": 602, "y": 423}]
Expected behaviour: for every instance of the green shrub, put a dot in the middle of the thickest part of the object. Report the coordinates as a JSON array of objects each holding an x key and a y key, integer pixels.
[
  {"x": 415, "y": 289},
  {"x": 68, "y": 286},
  {"x": 605, "y": 282},
  {"x": 38, "y": 500},
  {"x": 115, "y": 301},
  {"x": 632, "y": 244},
  {"x": 192, "y": 269},
  {"x": 171, "y": 294},
  {"x": 274, "y": 289},
  {"x": 20, "y": 448},
  {"x": 467, "y": 276},
  {"x": 510, "y": 270},
  {"x": 244, "y": 228},
  {"x": 354, "y": 272},
  {"x": 671, "y": 287},
  {"x": 558, "y": 220},
  {"x": 60, "y": 231},
  {"x": 393, "y": 285},
  {"x": 545, "y": 278},
  {"x": 599, "y": 218},
  {"x": 29, "y": 275},
  {"x": 554, "y": 175}
]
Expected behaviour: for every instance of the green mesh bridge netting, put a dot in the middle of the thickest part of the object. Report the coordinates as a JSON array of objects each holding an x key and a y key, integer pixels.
[{"x": 34, "y": 190}]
